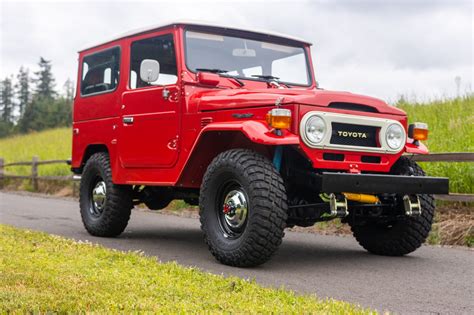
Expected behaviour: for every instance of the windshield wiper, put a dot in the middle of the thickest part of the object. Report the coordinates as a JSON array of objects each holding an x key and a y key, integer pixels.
[
  {"x": 270, "y": 78},
  {"x": 266, "y": 77},
  {"x": 214, "y": 70},
  {"x": 222, "y": 73}
]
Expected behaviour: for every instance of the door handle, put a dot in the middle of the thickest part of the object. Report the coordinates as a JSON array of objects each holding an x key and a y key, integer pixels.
[{"x": 127, "y": 120}]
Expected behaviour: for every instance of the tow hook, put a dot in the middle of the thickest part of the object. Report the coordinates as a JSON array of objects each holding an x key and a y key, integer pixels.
[
  {"x": 412, "y": 205},
  {"x": 338, "y": 205}
]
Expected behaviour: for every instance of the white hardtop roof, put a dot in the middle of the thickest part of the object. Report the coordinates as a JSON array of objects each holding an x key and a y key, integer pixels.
[{"x": 196, "y": 23}]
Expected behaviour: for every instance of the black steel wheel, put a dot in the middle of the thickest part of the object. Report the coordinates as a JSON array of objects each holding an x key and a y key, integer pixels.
[
  {"x": 232, "y": 209},
  {"x": 105, "y": 207}
]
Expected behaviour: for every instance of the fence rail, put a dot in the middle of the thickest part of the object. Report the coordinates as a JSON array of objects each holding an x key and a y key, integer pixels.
[
  {"x": 35, "y": 162},
  {"x": 445, "y": 157},
  {"x": 34, "y": 177}
]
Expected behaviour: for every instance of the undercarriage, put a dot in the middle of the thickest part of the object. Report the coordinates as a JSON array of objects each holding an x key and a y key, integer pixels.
[{"x": 323, "y": 195}]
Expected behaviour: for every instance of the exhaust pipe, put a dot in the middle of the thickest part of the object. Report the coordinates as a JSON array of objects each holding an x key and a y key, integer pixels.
[{"x": 76, "y": 178}]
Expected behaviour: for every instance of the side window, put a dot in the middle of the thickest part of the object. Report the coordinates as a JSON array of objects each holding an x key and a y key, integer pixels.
[
  {"x": 160, "y": 48},
  {"x": 100, "y": 71}
]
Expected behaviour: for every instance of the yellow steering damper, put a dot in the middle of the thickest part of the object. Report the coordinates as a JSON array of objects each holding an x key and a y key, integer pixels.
[{"x": 362, "y": 198}]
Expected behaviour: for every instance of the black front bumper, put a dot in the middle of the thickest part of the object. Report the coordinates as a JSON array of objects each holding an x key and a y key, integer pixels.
[{"x": 378, "y": 184}]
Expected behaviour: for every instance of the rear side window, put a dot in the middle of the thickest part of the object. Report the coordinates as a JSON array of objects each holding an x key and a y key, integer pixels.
[
  {"x": 100, "y": 72},
  {"x": 160, "y": 48}
]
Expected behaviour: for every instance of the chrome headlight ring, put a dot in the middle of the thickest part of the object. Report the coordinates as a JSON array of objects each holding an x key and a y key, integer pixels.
[
  {"x": 315, "y": 129},
  {"x": 395, "y": 136}
]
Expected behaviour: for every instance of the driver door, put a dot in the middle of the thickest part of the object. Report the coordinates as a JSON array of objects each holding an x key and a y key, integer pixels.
[{"x": 150, "y": 111}]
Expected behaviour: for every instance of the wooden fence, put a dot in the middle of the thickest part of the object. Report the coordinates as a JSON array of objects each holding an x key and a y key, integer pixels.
[
  {"x": 34, "y": 177},
  {"x": 35, "y": 162}
]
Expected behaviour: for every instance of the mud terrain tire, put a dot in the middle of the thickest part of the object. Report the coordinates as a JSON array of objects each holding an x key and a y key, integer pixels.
[
  {"x": 404, "y": 235},
  {"x": 105, "y": 207},
  {"x": 249, "y": 179}
]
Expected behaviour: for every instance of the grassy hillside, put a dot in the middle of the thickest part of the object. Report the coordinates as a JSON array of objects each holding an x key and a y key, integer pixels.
[
  {"x": 451, "y": 125},
  {"x": 451, "y": 130},
  {"x": 48, "y": 145},
  {"x": 48, "y": 274}
]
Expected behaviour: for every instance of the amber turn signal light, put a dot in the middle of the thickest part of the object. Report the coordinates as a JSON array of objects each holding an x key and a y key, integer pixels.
[
  {"x": 279, "y": 118},
  {"x": 418, "y": 131}
]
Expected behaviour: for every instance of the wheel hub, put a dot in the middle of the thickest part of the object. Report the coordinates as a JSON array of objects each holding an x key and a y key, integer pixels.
[
  {"x": 235, "y": 209},
  {"x": 99, "y": 194}
]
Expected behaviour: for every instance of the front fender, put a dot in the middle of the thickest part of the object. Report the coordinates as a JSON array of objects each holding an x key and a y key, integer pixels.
[
  {"x": 253, "y": 135},
  {"x": 255, "y": 131},
  {"x": 412, "y": 148}
]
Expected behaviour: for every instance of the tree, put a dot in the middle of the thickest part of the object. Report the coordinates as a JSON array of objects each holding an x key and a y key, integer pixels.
[
  {"x": 43, "y": 113},
  {"x": 69, "y": 89},
  {"x": 6, "y": 100},
  {"x": 23, "y": 89},
  {"x": 6, "y": 107},
  {"x": 44, "y": 80}
]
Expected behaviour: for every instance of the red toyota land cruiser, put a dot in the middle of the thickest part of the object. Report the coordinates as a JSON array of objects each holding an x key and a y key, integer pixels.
[{"x": 232, "y": 120}]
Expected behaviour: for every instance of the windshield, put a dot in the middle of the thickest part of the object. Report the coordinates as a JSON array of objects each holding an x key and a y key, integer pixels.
[{"x": 246, "y": 58}]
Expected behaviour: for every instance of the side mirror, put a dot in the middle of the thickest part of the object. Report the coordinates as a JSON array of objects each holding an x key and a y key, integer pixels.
[{"x": 149, "y": 70}]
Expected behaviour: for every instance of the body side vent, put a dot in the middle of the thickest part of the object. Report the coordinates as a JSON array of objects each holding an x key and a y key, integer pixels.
[{"x": 205, "y": 121}]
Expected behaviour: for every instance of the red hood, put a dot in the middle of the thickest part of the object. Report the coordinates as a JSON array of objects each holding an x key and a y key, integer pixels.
[{"x": 210, "y": 100}]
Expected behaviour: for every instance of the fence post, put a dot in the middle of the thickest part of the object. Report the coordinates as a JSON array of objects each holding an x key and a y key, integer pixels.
[
  {"x": 34, "y": 173},
  {"x": 2, "y": 162},
  {"x": 74, "y": 188}
]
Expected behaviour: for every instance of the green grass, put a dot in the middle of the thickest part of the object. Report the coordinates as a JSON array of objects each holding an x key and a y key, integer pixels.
[
  {"x": 42, "y": 273},
  {"x": 470, "y": 241},
  {"x": 53, "y": 144},
  {"x": 451, "y": 124}
]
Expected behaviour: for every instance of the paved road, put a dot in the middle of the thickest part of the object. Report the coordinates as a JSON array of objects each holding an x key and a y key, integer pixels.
[{"x": 431, "y": 280}]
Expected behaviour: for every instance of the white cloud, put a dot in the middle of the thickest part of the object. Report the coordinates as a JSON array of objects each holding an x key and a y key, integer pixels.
[{"x": 378, "y": 48}]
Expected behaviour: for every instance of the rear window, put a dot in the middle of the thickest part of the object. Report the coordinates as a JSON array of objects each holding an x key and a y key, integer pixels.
[{"x": 100, "y": 72}]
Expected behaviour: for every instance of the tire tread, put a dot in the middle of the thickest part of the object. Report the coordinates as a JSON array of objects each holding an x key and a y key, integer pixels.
[
  {"x": 410, "y": 233},
  {"x": 116, "y": 215},
  {"x": 266, "y": 229}
]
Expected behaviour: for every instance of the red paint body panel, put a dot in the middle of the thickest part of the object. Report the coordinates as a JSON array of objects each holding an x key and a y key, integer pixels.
[
  {"x": 256, "y": 131},
  {"x": 412, "y": 148},
  {"x": 172, "y": 140},
  {"x": 241, "y": 98},
  {"x": 155, "y": 120}
]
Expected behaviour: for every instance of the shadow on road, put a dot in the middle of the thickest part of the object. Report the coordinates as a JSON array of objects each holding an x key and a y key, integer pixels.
[{"x": 298, "y": 250}]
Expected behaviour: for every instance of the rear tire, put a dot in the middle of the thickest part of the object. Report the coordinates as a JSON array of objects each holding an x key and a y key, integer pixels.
[
  {"x": 243, "y": 208},
  {"x": 404, "y": 235},
  {"x": 105, "y": 206}
]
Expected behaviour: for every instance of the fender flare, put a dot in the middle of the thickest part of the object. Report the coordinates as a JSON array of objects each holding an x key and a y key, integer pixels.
[{"x": 255, "y": 131}]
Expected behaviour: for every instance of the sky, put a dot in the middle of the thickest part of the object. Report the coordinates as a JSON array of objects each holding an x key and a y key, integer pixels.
[{"x": 380, "y": 48}]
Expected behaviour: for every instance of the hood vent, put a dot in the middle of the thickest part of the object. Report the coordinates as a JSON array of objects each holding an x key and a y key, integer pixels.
[{"x": 354, "y": 107}]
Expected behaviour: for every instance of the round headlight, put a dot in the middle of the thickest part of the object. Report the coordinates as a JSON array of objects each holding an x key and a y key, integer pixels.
[
  {"x": 315, "y": 129},
  {"x": 395, "y": 136}
]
